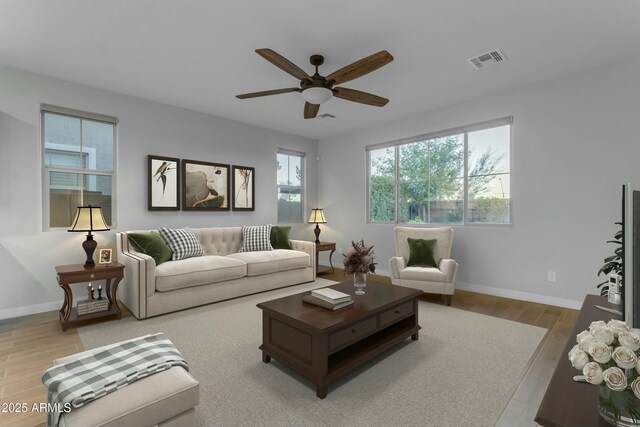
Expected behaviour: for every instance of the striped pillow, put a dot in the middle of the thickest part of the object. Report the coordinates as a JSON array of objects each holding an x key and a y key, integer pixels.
[
  {"x": 256, "y": 238},
  {"x": 182, "y": 242}
]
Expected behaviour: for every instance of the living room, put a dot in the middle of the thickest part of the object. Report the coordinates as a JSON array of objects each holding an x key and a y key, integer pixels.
[{"x": 170, "y": 75}]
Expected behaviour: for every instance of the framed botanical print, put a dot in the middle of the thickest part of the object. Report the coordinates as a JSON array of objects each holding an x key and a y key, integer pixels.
[
  {"x": 244, "y": 181},
  {"x": 205, "y": 186},
  {"x": 164, "y": 183}
]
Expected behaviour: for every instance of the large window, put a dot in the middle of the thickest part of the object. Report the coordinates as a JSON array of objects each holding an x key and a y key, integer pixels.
[
  {"x": 78, "y": 154},
  {"x": 290, "y": 183},
  {"x": 456, "y": 177}
]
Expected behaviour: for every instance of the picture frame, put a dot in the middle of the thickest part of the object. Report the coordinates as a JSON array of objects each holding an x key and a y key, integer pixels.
[
  {"x": 244, "y": 184},
  {"x": 205, "y": 186},
  {"x": 105, "y": 255},
  {"x": 164, "y": 183}
]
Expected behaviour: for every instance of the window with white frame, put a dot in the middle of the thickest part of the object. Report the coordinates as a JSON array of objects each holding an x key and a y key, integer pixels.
[
  {"x": 290, "y": 184},
  {"x": 78, "y": 161},
  {"x": 461, "y": 176}
]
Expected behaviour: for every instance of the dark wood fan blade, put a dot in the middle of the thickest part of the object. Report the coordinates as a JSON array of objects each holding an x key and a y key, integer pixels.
[
  {"x": 283, "y": 63},
  {"x": 361, "y": 67},
  {"x": 268, "y": 92},
  {"x": 358, "y": 96},
  {"x": 310, "y": 110}
]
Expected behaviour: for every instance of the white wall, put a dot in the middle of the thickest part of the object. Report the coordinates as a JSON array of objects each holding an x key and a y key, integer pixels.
[
  {"x": 28, "y": 255},
  {"x": 576, "y": 142}
]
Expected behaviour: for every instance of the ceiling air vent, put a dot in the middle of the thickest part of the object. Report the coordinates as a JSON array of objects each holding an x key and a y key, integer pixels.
[
  {"x": 326, "y": 116},
  {"x": 486, "y": 59}
]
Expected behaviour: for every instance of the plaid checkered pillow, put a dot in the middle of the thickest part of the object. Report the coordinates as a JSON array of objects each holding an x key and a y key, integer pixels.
[
  {"x": 182, "y": 242},
  {"x": 256, "y": 238}
]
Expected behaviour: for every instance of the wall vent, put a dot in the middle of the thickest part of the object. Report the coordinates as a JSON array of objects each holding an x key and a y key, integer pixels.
[
  {"x": 326, "y": 116},
  {"x": 486, "y": 59}
]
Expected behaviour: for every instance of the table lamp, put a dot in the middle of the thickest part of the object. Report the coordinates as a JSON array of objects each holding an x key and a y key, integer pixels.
[
  {"x": 88, "y": 219},
  {"x": 317, "y": 217}
]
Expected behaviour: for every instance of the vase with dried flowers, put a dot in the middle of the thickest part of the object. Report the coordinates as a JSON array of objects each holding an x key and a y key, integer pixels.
[{"x": 359, "y": 261}]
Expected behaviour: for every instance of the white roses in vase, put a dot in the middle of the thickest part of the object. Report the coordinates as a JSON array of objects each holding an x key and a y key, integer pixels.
[{"x": 608, "y": 353}]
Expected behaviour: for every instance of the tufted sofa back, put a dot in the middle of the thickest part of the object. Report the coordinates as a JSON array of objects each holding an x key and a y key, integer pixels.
[{"x": 219, "y": 240}]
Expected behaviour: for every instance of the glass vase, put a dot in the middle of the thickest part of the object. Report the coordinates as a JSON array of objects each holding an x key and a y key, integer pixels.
[
  {"x": 359, "y": 281},
  {"x": 618, "y": 408}
]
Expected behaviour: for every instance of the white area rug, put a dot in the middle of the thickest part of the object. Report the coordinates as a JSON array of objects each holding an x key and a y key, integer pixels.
[{"x": 461, "y": 372}]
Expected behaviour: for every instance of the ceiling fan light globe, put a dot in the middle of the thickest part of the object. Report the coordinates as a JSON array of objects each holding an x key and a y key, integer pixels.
[{"x": 317, "y": 95}]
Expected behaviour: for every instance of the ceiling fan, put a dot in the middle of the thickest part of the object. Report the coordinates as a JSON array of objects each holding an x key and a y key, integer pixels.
[{"x": 317, "y": 89}]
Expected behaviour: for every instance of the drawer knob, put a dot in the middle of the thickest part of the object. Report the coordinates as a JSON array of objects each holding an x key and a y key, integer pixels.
[
  {"x": 93, "y": 275},
  {"x": 397, "y": 312}
]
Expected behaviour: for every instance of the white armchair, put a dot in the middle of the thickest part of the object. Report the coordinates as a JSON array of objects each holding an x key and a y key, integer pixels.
[{"x": 440, "y": 280}]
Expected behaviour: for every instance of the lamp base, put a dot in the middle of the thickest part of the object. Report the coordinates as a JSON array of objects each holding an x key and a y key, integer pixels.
[
  {"x": 89, "y": 247},
  {"x": 316, "y": 231}
]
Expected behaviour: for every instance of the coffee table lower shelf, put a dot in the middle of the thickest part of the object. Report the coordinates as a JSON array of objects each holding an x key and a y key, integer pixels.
[{"x": 292, "y": 347}]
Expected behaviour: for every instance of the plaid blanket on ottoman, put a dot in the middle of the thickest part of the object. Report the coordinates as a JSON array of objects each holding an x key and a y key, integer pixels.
[{"x": 90, "y": 377}]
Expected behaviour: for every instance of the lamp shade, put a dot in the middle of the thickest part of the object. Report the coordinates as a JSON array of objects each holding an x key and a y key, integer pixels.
[
  {"x": 89, "y": 218},
  {"x": 316, "y": 95},
  {"x": 317, "y": 216}
]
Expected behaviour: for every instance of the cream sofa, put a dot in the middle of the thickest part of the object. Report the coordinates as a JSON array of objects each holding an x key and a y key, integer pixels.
[{"x": 148, "y": 290}]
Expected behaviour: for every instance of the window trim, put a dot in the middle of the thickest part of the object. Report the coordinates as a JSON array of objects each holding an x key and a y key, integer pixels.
[
  {"x": 395, "y": 144},
  {"x": 46, "y": 170},
  {"x": 302, "y": 187}
]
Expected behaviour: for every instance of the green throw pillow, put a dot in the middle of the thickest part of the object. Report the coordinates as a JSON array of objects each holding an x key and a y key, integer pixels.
[
  {"x": 280, "y": 237},
  {"x": 152, "y": 244},
  {"x": 422, "y": 253}
]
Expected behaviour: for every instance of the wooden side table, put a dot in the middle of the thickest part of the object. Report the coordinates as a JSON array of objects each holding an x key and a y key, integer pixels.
[
  {"x": 112, "y": 274},
  {"x": 322, "y": 247}
]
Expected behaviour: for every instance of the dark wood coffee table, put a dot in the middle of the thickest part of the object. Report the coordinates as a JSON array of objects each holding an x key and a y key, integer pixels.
[{"x": 324, "y": 345}]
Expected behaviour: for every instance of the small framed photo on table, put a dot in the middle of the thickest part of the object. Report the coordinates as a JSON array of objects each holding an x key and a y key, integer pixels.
[{"x": 105, "y": 255}]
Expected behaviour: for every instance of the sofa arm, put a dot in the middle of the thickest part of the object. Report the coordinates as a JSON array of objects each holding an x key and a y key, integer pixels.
[
  {"x": 396, "y": 264},
  {"x": 140, "y": 277},
  {"x": 308, "y": 247},
  {"x": 448, "y": 267}
]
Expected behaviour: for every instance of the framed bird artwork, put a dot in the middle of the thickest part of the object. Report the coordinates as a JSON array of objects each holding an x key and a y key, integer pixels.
[{"x": 164, "y": 183}]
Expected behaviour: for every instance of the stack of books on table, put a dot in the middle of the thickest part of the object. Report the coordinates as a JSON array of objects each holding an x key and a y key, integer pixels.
[
  {"x": 328, "y": 298},
  {"x": 95, "y": 306}
]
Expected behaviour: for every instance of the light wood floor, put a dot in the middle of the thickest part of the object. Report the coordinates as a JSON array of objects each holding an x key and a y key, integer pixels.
[{"x": 29, "y": 344}]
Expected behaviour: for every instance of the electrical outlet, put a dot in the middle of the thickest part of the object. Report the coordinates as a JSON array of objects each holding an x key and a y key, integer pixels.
[{"x": 551, "y": 276}]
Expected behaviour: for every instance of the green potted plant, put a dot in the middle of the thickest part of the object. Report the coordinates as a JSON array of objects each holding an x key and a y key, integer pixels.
[{"x": 613, "y": 263}]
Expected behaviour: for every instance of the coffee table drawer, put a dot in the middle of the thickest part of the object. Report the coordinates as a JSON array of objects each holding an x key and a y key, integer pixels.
[
  {"x": 396, "y": 313},
  {"x": 351, "y": 334}
]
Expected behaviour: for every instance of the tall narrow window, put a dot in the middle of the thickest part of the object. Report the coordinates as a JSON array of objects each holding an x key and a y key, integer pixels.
[
  {"x": 290, "y": 183},
  {"x": 78, "y": 154},
  {"x": 460, "y": 176}
]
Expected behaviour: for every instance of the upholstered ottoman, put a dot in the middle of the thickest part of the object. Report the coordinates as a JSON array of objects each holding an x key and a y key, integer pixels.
[{"x": 165, "y": 399}]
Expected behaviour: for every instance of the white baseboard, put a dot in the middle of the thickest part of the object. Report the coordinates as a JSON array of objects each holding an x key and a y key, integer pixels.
[
  {"x": 26, "y": 310},
  {"x": 509, "y": 293},
  {"x": 519, "y": 295},
  {"x": 489, "y": 290}
]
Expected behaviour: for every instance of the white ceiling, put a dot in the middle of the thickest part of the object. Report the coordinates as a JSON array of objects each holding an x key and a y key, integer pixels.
[{"x": 199, "y": 54}]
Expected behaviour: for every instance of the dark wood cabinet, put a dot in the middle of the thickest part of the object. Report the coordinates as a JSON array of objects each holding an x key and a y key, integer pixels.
[{"x": 568, "y": 403}]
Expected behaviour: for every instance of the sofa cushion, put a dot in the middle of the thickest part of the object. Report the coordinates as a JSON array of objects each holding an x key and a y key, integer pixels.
[
  {"x": 430, "y": 274},
  {"x": 280, "y": 237},
  {"x": 197, "y": 271},
  {"x": 266, "y": 262},
  {"x": 152, "y": 244},
  {"x": 182, "y": 242},
  {"x": 256, "y": 238},
  {"x": 422, "y": 252}
]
